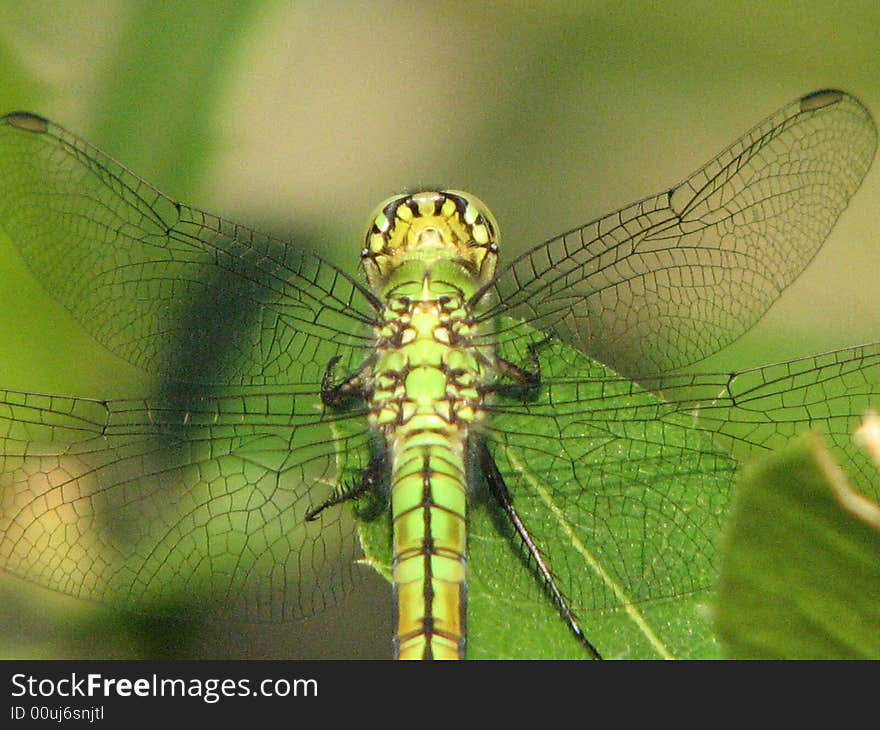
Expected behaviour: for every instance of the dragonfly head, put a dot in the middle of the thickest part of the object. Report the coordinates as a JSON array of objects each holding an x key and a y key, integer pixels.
[{"x": 431, "y": 225}]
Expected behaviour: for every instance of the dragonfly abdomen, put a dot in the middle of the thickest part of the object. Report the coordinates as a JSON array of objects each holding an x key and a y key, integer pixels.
[{"x": 429, "y": 500}]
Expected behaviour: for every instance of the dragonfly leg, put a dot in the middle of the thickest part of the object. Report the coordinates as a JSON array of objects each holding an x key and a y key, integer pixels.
[
  {"x": 335, "y": 394},
  {"x": 526, "y": 378},
  {"x": 505, "y": 501},
  {"x": 369, "y": 482}
]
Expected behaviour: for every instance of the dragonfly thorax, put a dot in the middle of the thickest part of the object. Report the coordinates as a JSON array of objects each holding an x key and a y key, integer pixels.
[
  {"x": 426, "y": 226},
  {"x": 427, "y": 371}
]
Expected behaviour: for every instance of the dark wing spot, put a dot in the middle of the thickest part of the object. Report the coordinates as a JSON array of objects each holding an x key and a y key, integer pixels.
[
  {"x": 27, "y": 121},
  {"x": 819, "y": 99}
]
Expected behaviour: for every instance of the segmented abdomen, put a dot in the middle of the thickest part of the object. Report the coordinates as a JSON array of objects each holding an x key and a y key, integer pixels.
[{"x": 428, "y": 498}]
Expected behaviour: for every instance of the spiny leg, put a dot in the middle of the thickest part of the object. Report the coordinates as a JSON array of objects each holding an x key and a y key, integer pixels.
[
  {"x": 502, "y": 495},
  {"x": 528, "y": 379},
  {"x": 371, "y": 478},
  {"x": 333, "y": 395}
]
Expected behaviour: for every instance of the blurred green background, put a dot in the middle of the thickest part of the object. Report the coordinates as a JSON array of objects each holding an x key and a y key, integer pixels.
[{"x": 297, "y": 118}]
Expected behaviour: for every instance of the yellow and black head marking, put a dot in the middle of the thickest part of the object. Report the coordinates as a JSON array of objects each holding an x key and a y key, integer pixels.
[{"x": 431, "y": 224}]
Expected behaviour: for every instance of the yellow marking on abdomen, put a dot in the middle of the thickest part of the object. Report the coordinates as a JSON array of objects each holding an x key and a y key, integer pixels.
[{"x": 428, "y": 504}]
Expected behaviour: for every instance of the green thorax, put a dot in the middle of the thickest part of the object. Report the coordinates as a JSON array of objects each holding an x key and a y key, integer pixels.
[{"x": 426, "y": 255}]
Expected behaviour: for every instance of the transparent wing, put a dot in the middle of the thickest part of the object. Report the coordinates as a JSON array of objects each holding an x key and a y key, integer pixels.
[
  {"x": 167, "y": 287},
  {"x": 198, "y": 492},
  {"x": 671, "y": 279},
  {"x": 146, "y": 504},
  {"x": 625, "y": 492}
]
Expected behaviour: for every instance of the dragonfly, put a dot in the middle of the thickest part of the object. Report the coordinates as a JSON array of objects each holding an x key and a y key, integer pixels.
[{"x": 526, "y": 430}]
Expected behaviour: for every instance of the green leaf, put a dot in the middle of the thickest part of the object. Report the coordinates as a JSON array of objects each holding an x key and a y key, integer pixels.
[{"x": 800, "y": 562}]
